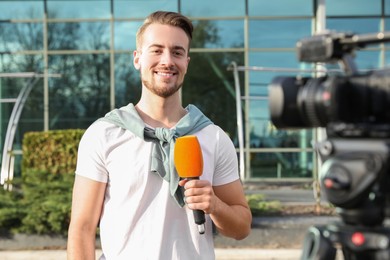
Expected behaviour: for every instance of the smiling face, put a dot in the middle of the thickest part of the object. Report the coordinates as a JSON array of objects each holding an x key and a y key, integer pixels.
[{"x": 162, "y": 59}]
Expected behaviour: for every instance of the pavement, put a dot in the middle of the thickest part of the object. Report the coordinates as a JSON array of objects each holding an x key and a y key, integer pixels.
[
  {"x": 221, "y": 254},
  {"x": 278, "y": 238}
]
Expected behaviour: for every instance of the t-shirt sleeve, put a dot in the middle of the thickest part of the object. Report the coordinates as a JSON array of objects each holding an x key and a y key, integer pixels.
[
  {"x": 226, "y": 168},
  {"x": 90, "y": 157}
]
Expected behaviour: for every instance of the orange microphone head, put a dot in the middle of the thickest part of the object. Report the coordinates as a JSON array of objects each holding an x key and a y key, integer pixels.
[{"x": 188, "y": 157}]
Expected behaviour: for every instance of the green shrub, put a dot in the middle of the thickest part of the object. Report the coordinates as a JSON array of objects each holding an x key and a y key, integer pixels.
[
  {"x": 40, "y": 201},
  {"x": 51, "y": 151},
  {"x": 259, "y": 206},
  {"x": 12, "y": 209},
  {"x": 49, "y": 203}
]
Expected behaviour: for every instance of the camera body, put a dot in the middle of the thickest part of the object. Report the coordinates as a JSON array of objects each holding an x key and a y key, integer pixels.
[
  {"x": 351, "y": 105},
  {"x": 354, "y": 108}
]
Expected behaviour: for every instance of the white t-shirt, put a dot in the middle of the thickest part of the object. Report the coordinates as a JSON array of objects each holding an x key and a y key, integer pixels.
[{"x": 140, "y": 219}]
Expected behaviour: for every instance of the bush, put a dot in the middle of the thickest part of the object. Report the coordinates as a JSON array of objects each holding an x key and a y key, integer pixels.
[
  {"x": 49, "y": 203},
  {"x": 259, "y": 206},
  {"x": 54, "y": 152},
  {"x": 12, "y": 210},
  {"x": 40, "y": 202}
]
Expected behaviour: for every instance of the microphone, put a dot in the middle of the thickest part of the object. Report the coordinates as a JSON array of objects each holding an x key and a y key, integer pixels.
[{"x": 189, "y": 165}]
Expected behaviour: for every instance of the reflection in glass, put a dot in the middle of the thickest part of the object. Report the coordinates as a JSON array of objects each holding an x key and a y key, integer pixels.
[
  {"x": 353, "y": 7},
  {"x": 21, "y": 9},
  {"x": 277, "y": 33},
  {"x": 368, "y": 60},
  {"x": 31, "y": 118},
  {"x": 78, "y": 9},
  {"x": 218, "y": 8},
  {"x": 81, "y": 95},
  {"x": 282, "y": 165},
  {"x": 21, "y": 36},
  {"x": 263, "y": 133},
  {"x": 125, "y": 33},
  {"x": 210, "y": 86},
  {"x": 387, "y": 7},
  {"x": 79, "y": 36},
  {"x": 141, "y": 9},
  {"x": 354, "y": 25},
  {"x": 218, "y": 34},
  {"x": 280, "y": 7},
  {"x": 127, "y": 81},
  {"x": 286, "y": 60}
]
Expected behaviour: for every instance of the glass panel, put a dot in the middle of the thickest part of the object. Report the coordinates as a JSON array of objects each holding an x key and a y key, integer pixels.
[
  {"x": 21, "y": 9},
  {"x": 81, "y": 95},
  {"x": 387, "y": 59},
  {"x": 353, "y": 7},
  {"x": 20, "y": 63},
  {"x": 31, "y": 118},
  {"x": 125, "y": 33},
  {"x": 260, "y": 126},
  {"x": 21, "y": 36},
  {"x": 282, "y": 165},
  {"x": 218, "y": 34},
  {"x": 142, "y": 8},
  {"x": 287, "y": 60},
  {"x": 78, "y": 9},
  {"x": 368, "y": 60},
  {"x": 215, "y": 8},
  {"x": 280, "y": 7},
  {"x": 127, "y": 81},
  {"x": 354, "y": 25},
  {"x": 210, "y": 86},
  {"x": 79, "y": 36},
  {"x": 387, "y": 7},
  {"x": 263, "y": 133},
  {"x": 262, "y": 33}
]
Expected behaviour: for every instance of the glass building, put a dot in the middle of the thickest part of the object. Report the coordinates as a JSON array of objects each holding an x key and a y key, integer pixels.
[{"x": 89, "y": 44}]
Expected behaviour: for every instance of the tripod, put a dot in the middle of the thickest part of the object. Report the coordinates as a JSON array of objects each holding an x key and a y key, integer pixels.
[
  {"x": 355, "y": 178},
  {"x": 356, "y": 243}
]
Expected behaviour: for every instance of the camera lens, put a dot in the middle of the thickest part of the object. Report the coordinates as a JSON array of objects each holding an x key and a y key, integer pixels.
[{"x": 298, "y": 102}]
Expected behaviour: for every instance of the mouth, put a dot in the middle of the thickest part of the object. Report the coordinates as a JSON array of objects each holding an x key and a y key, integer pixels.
[{"x": 166, "y": 74}]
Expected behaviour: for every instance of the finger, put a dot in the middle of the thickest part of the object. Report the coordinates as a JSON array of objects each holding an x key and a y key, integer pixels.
[{"x": 183, "y": 182}]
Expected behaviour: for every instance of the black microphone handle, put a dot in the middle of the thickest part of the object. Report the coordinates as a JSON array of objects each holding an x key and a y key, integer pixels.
[{"x": 198, "y": 214}]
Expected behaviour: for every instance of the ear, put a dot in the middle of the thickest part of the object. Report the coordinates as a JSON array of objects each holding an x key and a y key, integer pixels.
[
  {"x": 188, "y": 62},
  {"x": 136, "y": 59}
]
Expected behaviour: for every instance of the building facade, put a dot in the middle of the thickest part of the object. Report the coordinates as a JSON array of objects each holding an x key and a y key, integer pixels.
[{"x": 83, "y": 52}]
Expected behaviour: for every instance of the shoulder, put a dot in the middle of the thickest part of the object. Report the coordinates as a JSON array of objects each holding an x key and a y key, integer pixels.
[
  {"x": 215, "y": 134},
  {"x": 102, "y": 135}
]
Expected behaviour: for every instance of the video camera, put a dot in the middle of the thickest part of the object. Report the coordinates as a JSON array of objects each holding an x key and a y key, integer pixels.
[{"x": 354, "y": 108}]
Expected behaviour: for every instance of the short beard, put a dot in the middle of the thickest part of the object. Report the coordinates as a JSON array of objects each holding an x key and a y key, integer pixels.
[{"x": 161, "y": 92}]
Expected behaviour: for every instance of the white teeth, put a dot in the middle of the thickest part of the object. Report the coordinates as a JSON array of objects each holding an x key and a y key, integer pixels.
[{"x": 165, "y": 74}]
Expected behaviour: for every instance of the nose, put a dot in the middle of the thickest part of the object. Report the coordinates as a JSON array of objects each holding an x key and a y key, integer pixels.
[{"x": 166, "y": 58}]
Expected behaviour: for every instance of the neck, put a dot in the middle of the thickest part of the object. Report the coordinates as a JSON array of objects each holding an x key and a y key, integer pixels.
[{"x": 161, "y": 112}]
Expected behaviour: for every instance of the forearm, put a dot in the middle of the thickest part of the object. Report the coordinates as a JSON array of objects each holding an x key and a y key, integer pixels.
[
  {"x": 81, "y": 245},
  {"x": 232, "y": 220}
]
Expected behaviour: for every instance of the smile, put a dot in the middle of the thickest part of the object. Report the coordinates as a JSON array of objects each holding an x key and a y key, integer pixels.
[{"x": 165, "y": 74}]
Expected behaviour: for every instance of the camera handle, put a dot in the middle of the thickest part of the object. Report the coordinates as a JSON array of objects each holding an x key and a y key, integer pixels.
[{"x": 356, "y": 243}]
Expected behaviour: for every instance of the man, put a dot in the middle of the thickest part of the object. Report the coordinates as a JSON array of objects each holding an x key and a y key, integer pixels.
[{"x": 133, "y": 196}]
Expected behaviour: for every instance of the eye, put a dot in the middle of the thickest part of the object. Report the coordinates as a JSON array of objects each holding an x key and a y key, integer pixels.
[
  {"x": 178, "y": 53},
  {"x": 155, "y": 51}
]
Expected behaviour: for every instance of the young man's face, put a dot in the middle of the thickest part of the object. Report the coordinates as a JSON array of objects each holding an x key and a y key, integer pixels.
[{"x": 162, "y": 59}]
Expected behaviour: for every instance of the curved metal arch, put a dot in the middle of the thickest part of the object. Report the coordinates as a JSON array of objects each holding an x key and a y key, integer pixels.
[{"x": 7, "y": 158}]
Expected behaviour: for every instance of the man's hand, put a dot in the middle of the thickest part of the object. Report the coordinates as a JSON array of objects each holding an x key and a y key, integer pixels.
[{"x": 199, "y": 194}]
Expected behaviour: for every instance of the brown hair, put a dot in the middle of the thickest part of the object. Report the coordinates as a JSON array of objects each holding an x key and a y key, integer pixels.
[{"x": 166, "y": 18}]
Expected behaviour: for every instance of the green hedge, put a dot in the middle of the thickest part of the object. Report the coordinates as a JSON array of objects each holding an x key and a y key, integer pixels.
[
  {"x": 40, "y": 201},
  {"x": 54, "y": 152}
]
